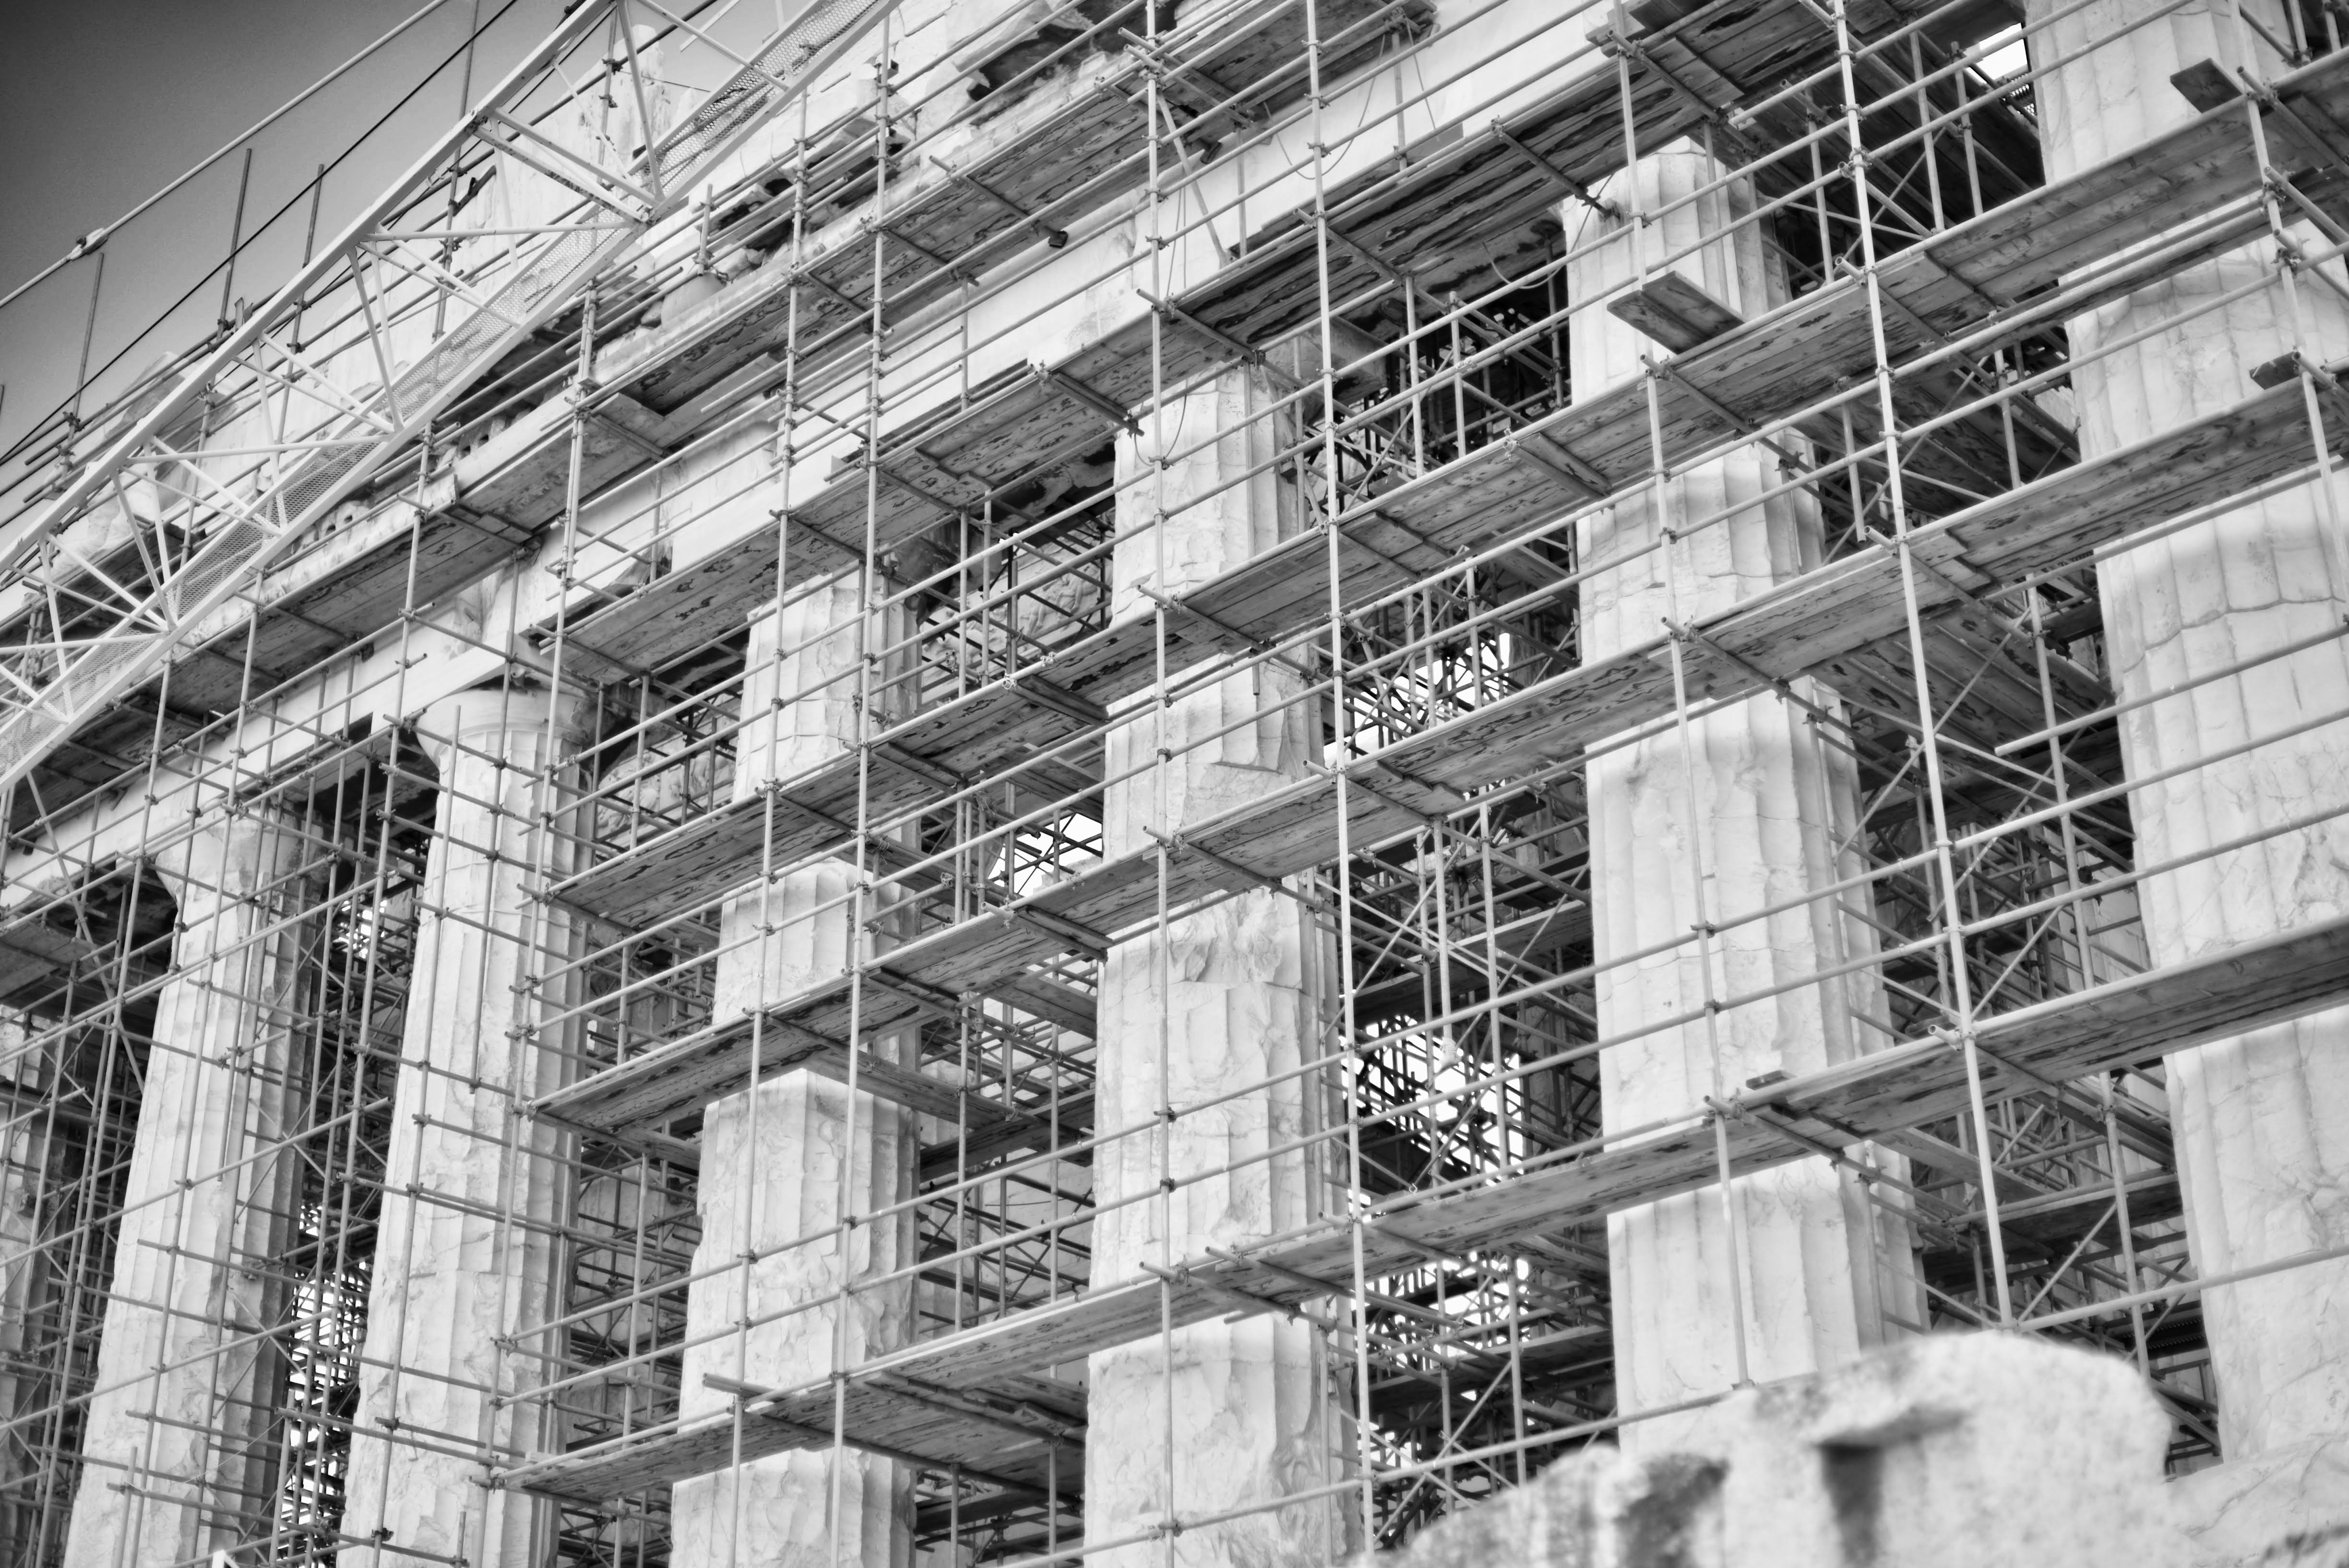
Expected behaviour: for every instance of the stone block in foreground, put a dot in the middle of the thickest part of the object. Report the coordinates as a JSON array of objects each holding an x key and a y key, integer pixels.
[{"x": 1986, "y": 1450}]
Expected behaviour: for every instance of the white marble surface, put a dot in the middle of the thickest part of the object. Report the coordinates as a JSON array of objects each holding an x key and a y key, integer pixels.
[
  {"x": 812, "y": 1169},
  {"x": 450, "y": 1283},
  {"x": 1229, "y": 996},
  {"x": 2284, "y": 1507},
  {"x": 1764, "y": 807},
  {"x": 207, "y": 1203},
  {"x": 784, "y": 1166},
  {"x": 2261, "y": 1120},
  {"x": 1950, "y": 1451}
]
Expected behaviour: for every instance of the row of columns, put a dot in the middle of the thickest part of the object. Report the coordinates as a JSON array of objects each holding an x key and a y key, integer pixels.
[
  {"x": 1750, "y": 806},
  {"x": 2260, "y": 1120},
  {"x": 188, "y": 1376},
  {"x": 177, "y": 1451},
  {"x": 175, "y": 1456},
  {"x": 1211, "y": 1418}
]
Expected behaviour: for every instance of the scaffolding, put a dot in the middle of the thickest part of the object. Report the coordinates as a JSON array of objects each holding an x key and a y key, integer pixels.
[{"x": 446, "y": 576}]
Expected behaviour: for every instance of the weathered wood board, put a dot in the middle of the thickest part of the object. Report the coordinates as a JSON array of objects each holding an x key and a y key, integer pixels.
[{"x": 2127, "y": 1023}]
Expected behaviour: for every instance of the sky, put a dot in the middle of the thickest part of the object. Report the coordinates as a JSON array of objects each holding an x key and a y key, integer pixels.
[{"x": 108, "y": 100}]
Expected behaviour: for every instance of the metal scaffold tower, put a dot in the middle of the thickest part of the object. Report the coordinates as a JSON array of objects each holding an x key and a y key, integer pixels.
[{"x": 1168, "y": 780}]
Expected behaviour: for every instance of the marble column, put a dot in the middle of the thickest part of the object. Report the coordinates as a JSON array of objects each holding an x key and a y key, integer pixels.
[
  {"x": 798, "y": 1156},
  {"x": 178, "y": 1450},
  {"x": 2261, "y": 1120},
  {"x": 1774, "y": 807},
  {"x": 1227, "y": 998},
  {"x": 454, "y": 1276}
]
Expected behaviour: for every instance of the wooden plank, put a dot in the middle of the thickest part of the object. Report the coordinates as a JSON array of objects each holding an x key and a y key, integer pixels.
[
  {"x": 1675, "y": 312},
  {"x": 709, "y": 856},
  {"x": 2130, "y": 1022},
  {"x": 1803, "y": 627},
  {"x": 1467, "y": 504},
  {"x": 2127, "y": 1023},
  {"x": 1793, "y": 355},
  {"x": 962, "y": 1155},
  {"x": 2031, "y": 244},
  {"x": 1585, "y": 111},
  {"x": 32, "y": 951}
]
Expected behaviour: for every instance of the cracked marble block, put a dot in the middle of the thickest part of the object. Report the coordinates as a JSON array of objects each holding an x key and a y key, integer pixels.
[
  {"x": 1948, "y": 1452},
  {"x": 798, "y": 1156},
  {"x": 1765, "y": 806},
  {"x": 1226, "y": 998},
  {"x": 2261, "y": 1120},
  {"x": 180, "y": 1448},
  {"x": 457, "y": 1292}
]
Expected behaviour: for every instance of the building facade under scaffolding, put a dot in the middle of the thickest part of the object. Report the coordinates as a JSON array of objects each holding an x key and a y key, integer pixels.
[{"x": 1171, "y": 783}]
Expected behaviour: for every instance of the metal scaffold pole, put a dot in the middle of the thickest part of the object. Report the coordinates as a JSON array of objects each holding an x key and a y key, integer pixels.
[{"x": 1165, "y": 782}]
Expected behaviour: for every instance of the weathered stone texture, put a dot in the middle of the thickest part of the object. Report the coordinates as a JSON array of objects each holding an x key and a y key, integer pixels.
[
  {"x": 2261, "y": 1120},
  {"x": 2284, "y": 1507},
  {"x": 1953, "y": 1452},
  {"x": 785, "y": 1165},
  {"x": 1763, "y": 807},
  {"x": 178, "y": 1452},
  {"x": 1229, "y": 997},
  {"x": 450, "y": 1283}
]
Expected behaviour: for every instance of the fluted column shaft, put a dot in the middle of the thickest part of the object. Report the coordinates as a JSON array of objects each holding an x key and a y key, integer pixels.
[
  {"x": 785, "y": 1165},
  {"x": 1763, "y": 807},
  {"x": 465, "y": 1262},
  {"x": 178, "y": 1450},
  {"x": 1227, "y": 998},
  {"x": 2261, "y": 1120}
]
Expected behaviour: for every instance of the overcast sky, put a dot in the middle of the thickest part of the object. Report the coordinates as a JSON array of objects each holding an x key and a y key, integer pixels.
[{"x": 107, "y": 100}]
